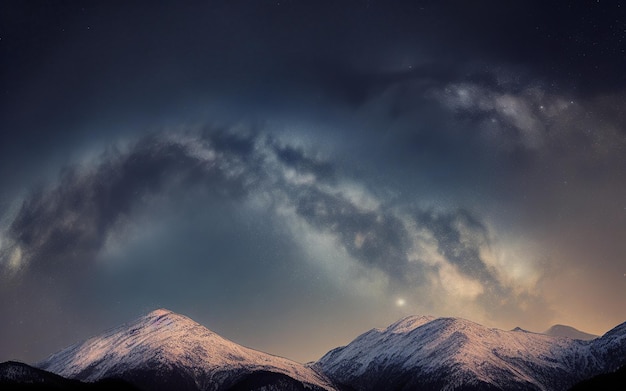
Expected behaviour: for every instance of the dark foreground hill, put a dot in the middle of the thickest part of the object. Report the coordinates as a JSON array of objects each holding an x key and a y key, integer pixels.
[
  {"x": 20, "y": 376},
  {"x": 614, "y": 381}
]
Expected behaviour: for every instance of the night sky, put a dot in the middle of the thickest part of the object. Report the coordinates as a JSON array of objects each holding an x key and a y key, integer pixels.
[{"x": 293, "y": 173}]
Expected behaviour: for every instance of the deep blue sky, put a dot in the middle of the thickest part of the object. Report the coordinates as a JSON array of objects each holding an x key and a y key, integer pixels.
[{"x": 293, "y": 173}]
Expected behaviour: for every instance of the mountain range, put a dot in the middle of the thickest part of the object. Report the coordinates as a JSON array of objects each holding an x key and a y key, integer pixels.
[
  {"x": 167, "y": 351},
  {"x": 455, "y": 354}
]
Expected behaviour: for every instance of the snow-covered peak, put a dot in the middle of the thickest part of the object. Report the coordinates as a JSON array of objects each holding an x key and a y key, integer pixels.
[{"x": 166, "y": 340}]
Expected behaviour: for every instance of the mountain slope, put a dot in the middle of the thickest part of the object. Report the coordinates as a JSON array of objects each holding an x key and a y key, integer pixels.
[
  {"x": 456, "y": 354},
  {"x": 611, "y": 348},
  {"x": 559, "y": 330},
  {"x": 164, "y": 351}
]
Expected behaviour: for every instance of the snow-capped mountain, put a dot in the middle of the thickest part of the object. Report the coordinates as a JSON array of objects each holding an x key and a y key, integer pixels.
[
  {"x": 559, "y": 330},
  {"x": 167, "y": 351},
  {"x": 456, "y": 354}
]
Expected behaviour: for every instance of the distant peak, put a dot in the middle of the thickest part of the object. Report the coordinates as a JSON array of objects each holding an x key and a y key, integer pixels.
[
  {"x": 519, "y": 329},
  {"x": 559, "y": 330}
]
